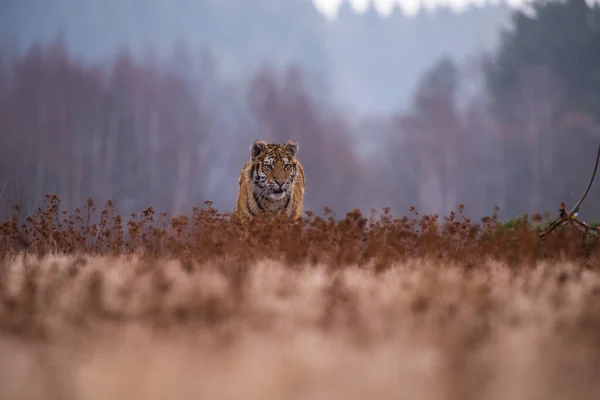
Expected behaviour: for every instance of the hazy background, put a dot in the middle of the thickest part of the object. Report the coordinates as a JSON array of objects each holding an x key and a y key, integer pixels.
[{"x": 155, "y": 102}]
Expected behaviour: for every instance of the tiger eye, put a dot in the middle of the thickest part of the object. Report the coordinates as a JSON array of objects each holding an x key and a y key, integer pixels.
[{"x": 270, "y": 154}]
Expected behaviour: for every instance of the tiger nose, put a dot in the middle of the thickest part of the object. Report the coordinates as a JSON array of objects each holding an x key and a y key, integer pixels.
[{"x": 280, "y": 183}]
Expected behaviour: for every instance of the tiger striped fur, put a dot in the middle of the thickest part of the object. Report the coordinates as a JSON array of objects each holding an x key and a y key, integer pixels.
[{"x": 272, "y": 180}]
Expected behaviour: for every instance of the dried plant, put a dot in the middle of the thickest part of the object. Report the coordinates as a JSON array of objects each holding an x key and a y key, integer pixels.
[{"x": 358, "y": 306}]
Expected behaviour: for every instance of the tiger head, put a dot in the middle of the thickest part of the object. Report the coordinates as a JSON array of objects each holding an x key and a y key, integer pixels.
[{"x": 274, "y": 168}]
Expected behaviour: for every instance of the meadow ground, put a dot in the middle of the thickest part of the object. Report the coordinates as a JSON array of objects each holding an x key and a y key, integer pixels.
[{"x": 206, "y": 307}]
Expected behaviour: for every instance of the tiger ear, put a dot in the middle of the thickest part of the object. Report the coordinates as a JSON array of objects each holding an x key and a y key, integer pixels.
[
  {"x": 257, "y": 147},
  {"x": 292, "y": 147}
]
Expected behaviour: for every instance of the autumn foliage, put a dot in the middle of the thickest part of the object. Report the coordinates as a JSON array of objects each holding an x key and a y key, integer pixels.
[
  {"x": 115, "y": 286},
  {"x": 173, "y": 133},
  {"x": 378, "y": 240},
  {"x": 415, "y": 298}
]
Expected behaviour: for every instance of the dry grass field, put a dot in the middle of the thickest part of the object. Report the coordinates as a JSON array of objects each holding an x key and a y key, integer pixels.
[{"x": 205, "y": 307}]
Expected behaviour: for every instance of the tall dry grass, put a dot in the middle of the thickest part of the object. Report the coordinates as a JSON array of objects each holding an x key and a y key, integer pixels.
[{"x": 208, "y": 307}]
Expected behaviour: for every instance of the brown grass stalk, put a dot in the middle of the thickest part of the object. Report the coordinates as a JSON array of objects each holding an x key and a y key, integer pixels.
[{"x": 204, "y": 306}]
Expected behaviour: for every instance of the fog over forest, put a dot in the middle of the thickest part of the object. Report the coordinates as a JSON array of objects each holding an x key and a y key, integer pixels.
[{"x": 156, "y": 103}]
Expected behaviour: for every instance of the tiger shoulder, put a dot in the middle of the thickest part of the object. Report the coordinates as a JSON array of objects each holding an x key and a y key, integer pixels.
[{"x": 272, "y": 180}]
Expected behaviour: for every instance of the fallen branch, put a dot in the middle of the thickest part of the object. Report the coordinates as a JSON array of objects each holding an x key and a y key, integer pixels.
[{"x": 571, "y": 216}]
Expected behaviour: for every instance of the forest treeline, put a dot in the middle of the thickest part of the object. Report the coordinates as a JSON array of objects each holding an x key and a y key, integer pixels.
[{"x": 173, "y": 134}]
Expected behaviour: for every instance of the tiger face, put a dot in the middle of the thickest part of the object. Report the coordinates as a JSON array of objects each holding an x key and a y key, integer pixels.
[
  {"x": 274, "y": 169},
  {"x": 271, "y": 181}
]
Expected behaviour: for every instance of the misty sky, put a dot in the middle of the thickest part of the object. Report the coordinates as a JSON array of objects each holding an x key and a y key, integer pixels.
[
  {"x": 408, "y": 7},
  {"x": 277, "y": 32}
]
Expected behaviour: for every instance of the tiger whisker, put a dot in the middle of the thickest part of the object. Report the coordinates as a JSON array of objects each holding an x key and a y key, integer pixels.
[{"x": 277, "y": 162}]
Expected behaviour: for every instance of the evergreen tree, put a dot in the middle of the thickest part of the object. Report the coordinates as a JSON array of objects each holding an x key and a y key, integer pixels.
[{"x": 562, "y": 36}]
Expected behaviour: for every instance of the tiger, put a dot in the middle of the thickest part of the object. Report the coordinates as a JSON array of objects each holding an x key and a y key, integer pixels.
[{"x": 272, "y": 180}]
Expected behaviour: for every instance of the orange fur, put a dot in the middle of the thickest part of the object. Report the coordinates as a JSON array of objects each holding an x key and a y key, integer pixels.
[{"x": 271, "y": 180}]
